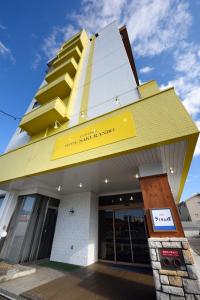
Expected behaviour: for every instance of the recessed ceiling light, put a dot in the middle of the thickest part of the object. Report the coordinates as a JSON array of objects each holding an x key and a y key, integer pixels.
[
  {"x": 106, "y": 180},
  {"x": 80, "y": 185},
  {"x": 171, "y": 170},
  {"x": 136, "y": 175},
  {"x": 59, "y": 188}
]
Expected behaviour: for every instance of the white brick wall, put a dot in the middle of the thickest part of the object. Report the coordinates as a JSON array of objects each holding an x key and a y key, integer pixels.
[{"x": 76, "y": 235}]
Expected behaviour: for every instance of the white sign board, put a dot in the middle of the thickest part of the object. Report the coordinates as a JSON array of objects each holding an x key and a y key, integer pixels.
[{"x": 162, "y": 219}]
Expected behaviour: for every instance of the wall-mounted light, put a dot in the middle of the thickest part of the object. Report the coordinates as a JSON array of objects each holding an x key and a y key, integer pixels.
[
  {"x": 106, "y": 180},
  {"x": 80, "y": 185},
  {"x": 131, "y": 199},
  {"x": 171, "y": 170},
  {"x": 3, "y": 233},
  {"x": 56, "y": 125},
  {"x": 117, "y": 100},
  {"x": 137, "y": 175},
  {"x": 82, "y": 114},
  {"x": 59, "y": 188}
]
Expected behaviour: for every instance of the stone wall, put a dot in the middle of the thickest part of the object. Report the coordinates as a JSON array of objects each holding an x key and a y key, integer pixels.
[{"x": 174, "y": 284}]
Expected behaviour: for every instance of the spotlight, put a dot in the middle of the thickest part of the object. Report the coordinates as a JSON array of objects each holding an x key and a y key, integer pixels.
[
  {"x": 59, "y": 188},
  {"x": 80, "y": 185},
  {"x": 106, "y": 180},
  {"x": 56, "y": 125}
]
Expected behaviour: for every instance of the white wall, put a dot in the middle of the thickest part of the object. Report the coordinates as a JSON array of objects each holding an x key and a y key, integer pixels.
[
  {"x": 111, "y": 74},
  {"x": 75, "y": 238}
]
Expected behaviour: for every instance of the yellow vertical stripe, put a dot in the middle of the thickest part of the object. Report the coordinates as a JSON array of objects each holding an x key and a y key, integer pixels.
[{"x": 86, "y": 85}]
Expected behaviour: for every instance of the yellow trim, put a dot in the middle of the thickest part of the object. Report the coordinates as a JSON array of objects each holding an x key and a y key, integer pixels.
[
  {"x": 87, "y": 83},
  {"x": 188, "y": 158}
]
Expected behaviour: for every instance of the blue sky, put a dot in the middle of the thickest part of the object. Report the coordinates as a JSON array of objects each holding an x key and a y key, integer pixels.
[{"x": 164, "y": 35}]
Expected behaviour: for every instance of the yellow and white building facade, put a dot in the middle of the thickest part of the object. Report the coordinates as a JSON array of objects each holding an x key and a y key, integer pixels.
[{"x": 94, "y": 152}]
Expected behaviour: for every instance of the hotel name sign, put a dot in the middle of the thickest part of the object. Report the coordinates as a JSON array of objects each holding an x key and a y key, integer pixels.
[{"x": 107, "y": 131}]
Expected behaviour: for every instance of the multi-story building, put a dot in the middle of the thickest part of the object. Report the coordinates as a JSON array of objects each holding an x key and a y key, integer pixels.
[
  {"x": 189, "y": 210},
  {"x": 97, "y": 162}
]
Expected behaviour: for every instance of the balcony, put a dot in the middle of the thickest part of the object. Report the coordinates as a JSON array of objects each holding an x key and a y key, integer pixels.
[
  {"x": 70, "y": 67},
  {"x": 60, "y": 87},
  {"x": 79, "y": 41},
  {"x": 71, "y": 40},
  {"x": 75, "y": 53},
  {"x": 76, "y": 43},
  {"x": 44, "y": 117}
]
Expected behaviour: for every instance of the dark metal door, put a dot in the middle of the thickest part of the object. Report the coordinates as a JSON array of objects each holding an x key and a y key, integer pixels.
[{"x": 47, "y": 234}]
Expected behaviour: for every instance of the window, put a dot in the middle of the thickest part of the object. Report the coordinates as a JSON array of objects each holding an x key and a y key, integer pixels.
[
  {"x": 1, "y": 199},
  {"x": 36, "y": 104}
]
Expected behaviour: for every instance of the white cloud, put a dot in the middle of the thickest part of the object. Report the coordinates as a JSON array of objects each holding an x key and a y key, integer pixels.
[
  {"x": 58, "y": 35},
  {"x": 153, "y": 25},
  {"x": 187, "y": 76},
  {"x": 4, "y": 51},
  {"x": 146, "y": 69},
  {"x": 36, "y": 61},
  {"x": 197, "y": 150},
  {"x": 156, "y": 25},
  {"x": 192, "y": 101}
]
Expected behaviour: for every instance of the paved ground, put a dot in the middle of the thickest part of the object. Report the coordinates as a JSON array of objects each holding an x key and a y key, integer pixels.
[
  {"x": 195, "y": 244},
  {"x": 98, "y": 281},
  {"x": 20, "y": 285}
]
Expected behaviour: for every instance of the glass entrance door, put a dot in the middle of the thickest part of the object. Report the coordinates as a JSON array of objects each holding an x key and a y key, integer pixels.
[
  {"x": 31, "y": 229},
  {"x": 122, "y": 236}
]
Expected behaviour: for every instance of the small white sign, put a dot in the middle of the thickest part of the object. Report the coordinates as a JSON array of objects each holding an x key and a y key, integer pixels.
[{"x": 162, "y": 219}]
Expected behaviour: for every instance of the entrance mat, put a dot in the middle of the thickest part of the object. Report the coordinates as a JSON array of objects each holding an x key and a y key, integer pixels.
[
  {"x": 131, "y": 268},
  {"x": 59, "y": 266}
]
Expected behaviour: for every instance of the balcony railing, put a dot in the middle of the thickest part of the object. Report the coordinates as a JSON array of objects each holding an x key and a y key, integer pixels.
[
  {"x": 60, "y": 87},
  {"x": 70, "y": 67},
  {"x": 75, "y": 53}
]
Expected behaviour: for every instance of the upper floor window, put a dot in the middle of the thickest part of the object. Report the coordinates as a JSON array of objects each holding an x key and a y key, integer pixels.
[
  {"x": 36, "y": 104},
  {"x": 1, "y": 199}
]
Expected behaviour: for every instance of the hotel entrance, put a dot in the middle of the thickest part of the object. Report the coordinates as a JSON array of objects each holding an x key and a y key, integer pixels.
[{"x": 122, "y": 229}]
